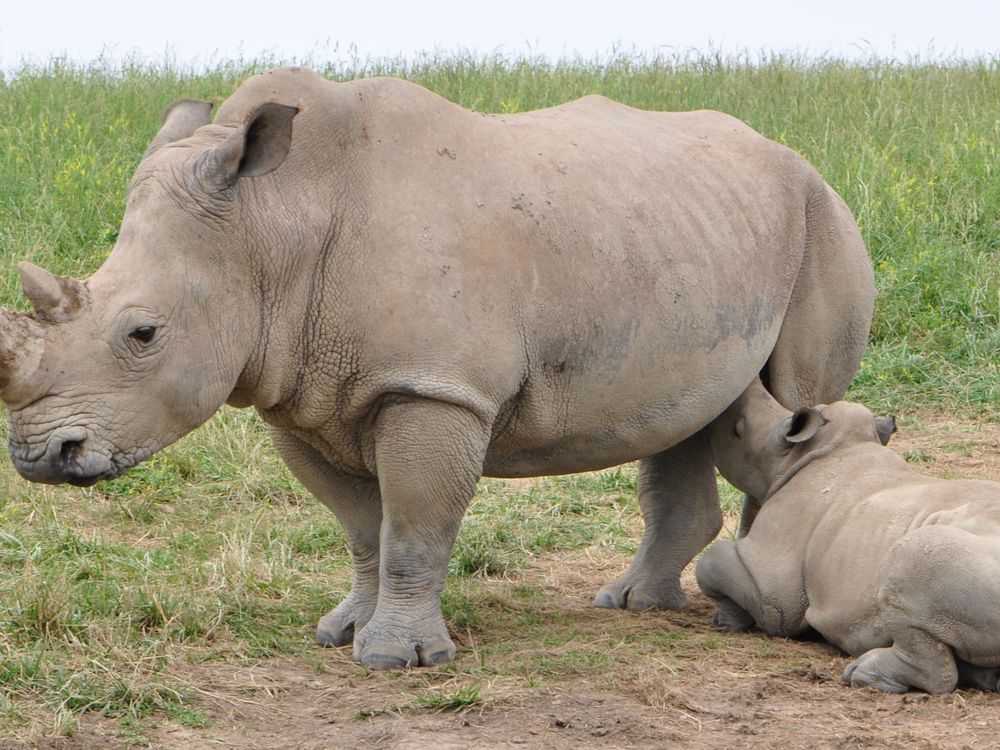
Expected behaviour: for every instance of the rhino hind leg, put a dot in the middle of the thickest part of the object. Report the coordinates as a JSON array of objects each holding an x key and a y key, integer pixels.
[
  {"x": 915, "y": 660},
  {"x": 357, "y": 505},
  {"x": 826, "y": 325},
  {"x": 937, "y": 603},
  {"x": 680, "y": 508}
]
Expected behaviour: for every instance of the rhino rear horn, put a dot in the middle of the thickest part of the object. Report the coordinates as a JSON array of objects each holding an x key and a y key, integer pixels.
[
  {"x": 21, "y": 344},
  {"x": 180, "y": 120},
  {"x": 56, "y": 299},
  {"x": 255, "y": 148},
  {"x": 802, "y": 425}
]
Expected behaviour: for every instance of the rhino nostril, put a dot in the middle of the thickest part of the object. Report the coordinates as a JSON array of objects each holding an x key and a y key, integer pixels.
[{"x": 70, "y": 450}]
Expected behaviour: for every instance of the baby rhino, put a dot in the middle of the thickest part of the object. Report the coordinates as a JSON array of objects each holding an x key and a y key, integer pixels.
[{"x": 898, "y": 569}]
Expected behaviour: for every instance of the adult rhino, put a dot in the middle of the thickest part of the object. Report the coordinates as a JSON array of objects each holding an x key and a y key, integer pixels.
[
  {"x": 896, "y": 568},
  {"x": 413, "y": 295}
]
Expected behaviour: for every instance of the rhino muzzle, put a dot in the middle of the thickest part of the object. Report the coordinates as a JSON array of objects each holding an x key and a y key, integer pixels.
[{"x": 66, "y": 458}]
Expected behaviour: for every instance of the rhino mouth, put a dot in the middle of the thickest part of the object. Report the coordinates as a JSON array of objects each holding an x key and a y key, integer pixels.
[
  {"x": 67, "y": 458},
  {"x": 84, "y": 481}
]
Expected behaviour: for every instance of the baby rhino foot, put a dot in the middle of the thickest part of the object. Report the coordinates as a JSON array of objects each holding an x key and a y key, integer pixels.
[
  {"x": 883, "y": 669},
  {"x": 867, "y": 671},
  {"x": 337, "y": 627},
  {"x": 730, "y": 616},
  {"x": 631, "y": 592},
  {"x": 384, "y": 646}
]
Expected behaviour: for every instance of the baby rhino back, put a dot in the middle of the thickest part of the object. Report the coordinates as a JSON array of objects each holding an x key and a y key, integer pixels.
[
  {"x": 922, "y": 610},
  {"x": 969, "y": 504}
]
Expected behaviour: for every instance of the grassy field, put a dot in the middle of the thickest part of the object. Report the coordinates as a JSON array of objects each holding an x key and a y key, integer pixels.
[{"x": 211, "y": 552}]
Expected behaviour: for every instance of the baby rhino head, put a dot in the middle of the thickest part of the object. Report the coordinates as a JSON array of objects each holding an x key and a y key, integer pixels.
[{"x": 757, "y": 443}]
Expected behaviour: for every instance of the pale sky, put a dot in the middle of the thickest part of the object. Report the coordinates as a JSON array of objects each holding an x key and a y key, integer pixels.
[{"x": 198, "y": 32}]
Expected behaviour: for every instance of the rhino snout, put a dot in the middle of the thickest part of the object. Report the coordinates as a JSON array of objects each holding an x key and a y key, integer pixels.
[{"x": 67, "y": 458}]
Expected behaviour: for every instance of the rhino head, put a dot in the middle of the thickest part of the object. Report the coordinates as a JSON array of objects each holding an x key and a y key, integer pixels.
[
  {"x": 757, "y": 444},
  {"x": 107, "y": 371}
]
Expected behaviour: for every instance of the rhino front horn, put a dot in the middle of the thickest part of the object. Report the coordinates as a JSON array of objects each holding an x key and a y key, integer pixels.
[
  {"x": 21, "y": 344},
  {"x": 56, "y": 299}
]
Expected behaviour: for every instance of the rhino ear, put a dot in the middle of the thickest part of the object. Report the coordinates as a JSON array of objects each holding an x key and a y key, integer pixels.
[
  {"x": 181, "y": 119},
  {"x": 257, "y": 147},
  {"x": 56, "y": 299},
  {"x": 802, "y": 425},
  {"x": 884, "y": 428}
]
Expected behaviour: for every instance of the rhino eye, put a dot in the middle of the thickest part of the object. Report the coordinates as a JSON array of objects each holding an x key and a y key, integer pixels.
[{"x": 143, "y": 334}]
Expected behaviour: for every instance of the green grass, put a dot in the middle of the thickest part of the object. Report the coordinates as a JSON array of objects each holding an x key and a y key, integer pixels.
[
  {"x": 211, "y": 552},
  {"x": 913, "y": 149}
]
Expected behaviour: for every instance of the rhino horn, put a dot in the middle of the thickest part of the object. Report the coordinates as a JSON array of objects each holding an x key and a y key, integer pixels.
[
  {"x": 180, "y": 120},
  {"x": 56, "y": 299},
  {"x": 21, "y": 344},
  {"x": 256, "y": 147}
]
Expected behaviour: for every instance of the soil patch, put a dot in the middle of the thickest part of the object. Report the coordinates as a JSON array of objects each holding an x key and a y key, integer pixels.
[{"x": 707, "y": 690}]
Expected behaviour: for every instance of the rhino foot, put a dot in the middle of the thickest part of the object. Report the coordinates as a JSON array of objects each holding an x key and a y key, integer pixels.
[
  {"x": 867, "y": 671},
  {"x": 637, "y": 595},
  {"x": 883, "y": 669},
  {"x": 337, "y": 627},
  {"x": 733, "y": 618},
  {"x": 384, "y": 647}
]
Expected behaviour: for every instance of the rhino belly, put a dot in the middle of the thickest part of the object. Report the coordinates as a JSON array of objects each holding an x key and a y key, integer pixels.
[{"x": 569, "y": 418}]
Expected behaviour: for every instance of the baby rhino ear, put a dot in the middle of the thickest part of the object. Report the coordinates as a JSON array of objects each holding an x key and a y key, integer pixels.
[
  {"x": 884, "y": 428},
  {"x": 802, "y": 425}
]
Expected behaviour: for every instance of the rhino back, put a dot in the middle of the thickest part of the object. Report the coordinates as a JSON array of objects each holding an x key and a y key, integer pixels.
[{"x": 595, "y": 280}]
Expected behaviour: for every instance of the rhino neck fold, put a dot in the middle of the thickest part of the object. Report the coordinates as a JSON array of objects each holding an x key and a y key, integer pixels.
[
  {"x": 289, "y": 296},
  {"x": 788, "y": 474}
]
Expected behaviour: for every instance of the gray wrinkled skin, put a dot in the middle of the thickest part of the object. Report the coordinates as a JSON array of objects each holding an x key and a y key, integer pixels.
[
  {"x": 898, "y": 569},
  {"x": 413, "y": 295}
]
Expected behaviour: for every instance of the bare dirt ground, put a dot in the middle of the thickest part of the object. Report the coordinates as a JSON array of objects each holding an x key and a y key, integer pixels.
[{"x": 712, "y": 691}]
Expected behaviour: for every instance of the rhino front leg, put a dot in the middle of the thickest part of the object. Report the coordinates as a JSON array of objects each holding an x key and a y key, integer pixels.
[
  {"x": 429, "y": 456},
  {"x": 751, "y": 584},
  {"x": 680, "y": 508},
  {"x": 724, "y": 579},
  {"x": 358, "y": 506}
]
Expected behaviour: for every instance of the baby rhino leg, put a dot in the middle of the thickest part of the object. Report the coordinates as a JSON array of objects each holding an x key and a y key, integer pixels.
[
  {"x": 983, "y": 678},
  {"x": 915, "y": 660},
  {"x": 723, "y": 577},
  {"x": 749, "y": 585},
  {"x": 939, "y": 604}
]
